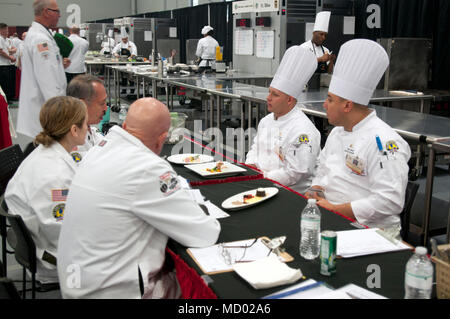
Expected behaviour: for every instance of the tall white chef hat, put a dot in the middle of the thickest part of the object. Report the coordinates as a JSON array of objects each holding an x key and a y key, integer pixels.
[
  {"x": 359, "y": 67},
  {"x": 295, "y": 70},
  {"x": 123, "y": 32},
  {"x": 82, "y": 33},
  {"x": 110, "y": 33},
  {"x": 206, "y": 29},
  {"x": 322, "y": 21}
]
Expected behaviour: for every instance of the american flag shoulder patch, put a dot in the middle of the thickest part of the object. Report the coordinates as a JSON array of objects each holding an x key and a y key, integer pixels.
[
  {"x": 59, "y": 195},
  {"x": 42, "y": 47}
]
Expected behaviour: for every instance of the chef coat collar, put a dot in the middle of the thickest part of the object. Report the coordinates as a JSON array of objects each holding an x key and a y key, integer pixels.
[
  {"x": 58, "y": 148},
  {"x": 286, "y": 116},
  {"x": 130, "y": 138},
  {"x": 40, "y": 25},
  {"x": 367, "y": 119}
]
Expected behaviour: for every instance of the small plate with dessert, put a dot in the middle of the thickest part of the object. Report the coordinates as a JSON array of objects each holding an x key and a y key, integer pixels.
[
  {"x": 216, "y": 169},
  {"x": 249, "y": 198}
]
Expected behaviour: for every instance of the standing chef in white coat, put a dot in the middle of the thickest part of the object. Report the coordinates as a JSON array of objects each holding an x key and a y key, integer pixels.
[
  {"x": 124, "y": 204},
  {"x": 38, "y": 190},
  {"x": 108, "y": 44},
  {"x": 325, "y": 60},
  {"x": 363, "y": 170},
  {"x": 43, "y": 75},
  {"x": 206, "y": 49},
  {"x": 287, "y": 144},
  {"x": 91, "y": 90},
  {"x": 125, "y": 47},
  {"x": 77, "y": 55}
]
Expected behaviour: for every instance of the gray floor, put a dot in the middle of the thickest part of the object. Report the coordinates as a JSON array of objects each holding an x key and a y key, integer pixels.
[{"x": 440, "y": 204}]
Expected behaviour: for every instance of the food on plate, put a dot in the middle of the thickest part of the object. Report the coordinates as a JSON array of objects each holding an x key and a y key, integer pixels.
[
  {"x": 192, "y": 159},
  {"x": 261, "y": 192},
  {"x": 217, "y": 169},
  {"x": 251, "y": 199}
]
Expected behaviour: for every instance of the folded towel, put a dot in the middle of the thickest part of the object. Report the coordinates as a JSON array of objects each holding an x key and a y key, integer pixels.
[{"x": 267, "y": 272}]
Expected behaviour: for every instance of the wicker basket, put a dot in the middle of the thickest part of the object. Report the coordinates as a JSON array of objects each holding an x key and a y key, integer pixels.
[{"x": 442, "y": 278}]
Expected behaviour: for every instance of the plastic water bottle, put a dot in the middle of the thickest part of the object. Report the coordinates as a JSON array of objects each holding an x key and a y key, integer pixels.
[
  {"x": 122, "y": 114},
  {"x": 419, "y": 275},
  {"x": 310, "y": 231}
]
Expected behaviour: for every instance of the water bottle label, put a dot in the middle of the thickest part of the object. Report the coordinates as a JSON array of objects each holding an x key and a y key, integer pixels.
[
  {"x": 419, "y": 282},
  {"x": 311, "y": 224}
]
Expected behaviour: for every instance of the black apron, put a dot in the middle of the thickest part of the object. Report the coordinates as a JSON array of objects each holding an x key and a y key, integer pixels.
[{"x": 322, "y": 67}]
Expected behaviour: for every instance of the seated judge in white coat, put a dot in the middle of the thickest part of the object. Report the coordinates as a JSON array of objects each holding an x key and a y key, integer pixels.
[
  {"x": 325, "y": 59},
  {"x": 206, "y": 49},
  {"x": 124, "y": 204},
  {"x": 363, "y": 170},
  {"x": 38, "y": 190},
  {"x": 77, "y": 55},
  {"x": 92, "y": 92},
  {"x": 287, "y": 144},
  {"x": 125, "y": 47}
]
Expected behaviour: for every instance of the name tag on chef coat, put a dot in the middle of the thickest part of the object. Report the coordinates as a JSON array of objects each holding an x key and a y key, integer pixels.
[{"x": 356, "y": 164}]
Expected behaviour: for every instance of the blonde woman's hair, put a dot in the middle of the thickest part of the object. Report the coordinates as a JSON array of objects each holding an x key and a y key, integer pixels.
[{"x": 57, "y": 117}]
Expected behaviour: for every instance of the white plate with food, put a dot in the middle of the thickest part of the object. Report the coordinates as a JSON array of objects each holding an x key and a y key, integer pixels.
[
  {"x": 216, "y": 169},
  {"x": 249, "y": 198},
  {"x": 188, "y": 159}
]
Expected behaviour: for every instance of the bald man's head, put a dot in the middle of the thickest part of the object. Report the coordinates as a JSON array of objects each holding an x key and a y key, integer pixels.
[{"x": 149, "y": 120}]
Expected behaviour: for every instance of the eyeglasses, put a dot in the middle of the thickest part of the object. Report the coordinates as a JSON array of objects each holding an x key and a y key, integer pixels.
[
  {"x": 228, "y": 256},
  {"x": 54, "y": 10}
]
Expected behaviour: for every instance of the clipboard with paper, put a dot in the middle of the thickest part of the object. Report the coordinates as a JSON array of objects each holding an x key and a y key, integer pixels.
[{"x": 220, "y": 258}]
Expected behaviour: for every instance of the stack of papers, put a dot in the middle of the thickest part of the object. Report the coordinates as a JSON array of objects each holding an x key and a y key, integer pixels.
[{"x": 360, "y": 242}]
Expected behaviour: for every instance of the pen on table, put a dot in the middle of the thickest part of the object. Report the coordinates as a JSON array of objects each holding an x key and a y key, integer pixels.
[{"x": 380, "y": 148}]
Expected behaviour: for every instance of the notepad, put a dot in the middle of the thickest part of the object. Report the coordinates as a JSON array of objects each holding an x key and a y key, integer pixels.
[
  {"x": 360, "y": 242},
  {"x": 211, "y": 259}
]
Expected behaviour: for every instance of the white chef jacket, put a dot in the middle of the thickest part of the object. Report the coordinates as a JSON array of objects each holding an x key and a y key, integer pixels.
[
  {"x": 93, "y": 137},
  {"x": 129, "y": 45},
  {"x": 125, "y": 202},
  {"x": 316, "y": 49},
  {"x": 38, "y": 193},
  {"x": 77, "y": 56},
  {"x": 43, "y": 77},
  {"x": 206, "y": 50},
  {"x": 4, "y": 45},
  {"x": 350, "y": 171},
  {"x": 295, "y": 139},
  {"x": 108, "y": 46}
]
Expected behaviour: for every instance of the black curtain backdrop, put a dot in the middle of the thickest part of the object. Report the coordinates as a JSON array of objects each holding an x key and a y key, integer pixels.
[
  {"x": 413, "y": 19},
  {"x": 223, "y": 29},
  {"x": 190, "y": 22}
]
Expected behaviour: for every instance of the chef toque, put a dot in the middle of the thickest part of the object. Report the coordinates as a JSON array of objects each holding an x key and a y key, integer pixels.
[
  {"x": 322, "y": 21},
  {"x": 110, "y": 33},
  {"x": 359, "y": 67},
  {"x": 82, "y": 33},
  {"x": 295, "y": 70},
  {"x": 123, "y": 32},
  {"x": 206, "y": 29}
]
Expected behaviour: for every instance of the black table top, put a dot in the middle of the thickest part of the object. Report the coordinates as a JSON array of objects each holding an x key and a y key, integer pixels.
[{"x": 280, "y": 216}]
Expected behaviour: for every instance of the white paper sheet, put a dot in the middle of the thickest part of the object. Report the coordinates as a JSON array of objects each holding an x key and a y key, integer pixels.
[
  {"x": 356, "y": 292},
  {"x": 215, "y": 211},
  {"x": 309, "y": 289},
  {"x": 172, "y": 32},
  {"x": 243, "y": 42},
  {"x": 210, "y": 259},
  {"x": 360, "y": 242},
  {"x": 265, "y": 44},
  {"x": 349, "y": 25},
  {"x": 148, "y": 36}
]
